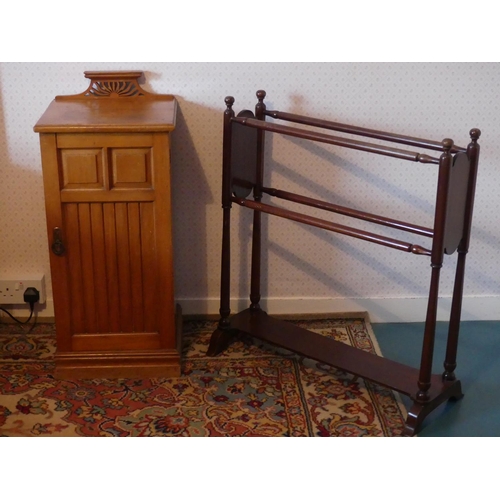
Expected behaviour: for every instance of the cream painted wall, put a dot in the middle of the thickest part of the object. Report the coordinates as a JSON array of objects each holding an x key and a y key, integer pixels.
[{"x": 305, "y": 270}]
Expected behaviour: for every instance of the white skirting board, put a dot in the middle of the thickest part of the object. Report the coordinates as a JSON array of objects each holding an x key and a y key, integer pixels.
[{"x": 380, "y": 310}]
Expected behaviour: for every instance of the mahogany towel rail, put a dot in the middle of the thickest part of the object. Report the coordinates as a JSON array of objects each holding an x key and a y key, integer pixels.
[{"x": 243, "y": 167}]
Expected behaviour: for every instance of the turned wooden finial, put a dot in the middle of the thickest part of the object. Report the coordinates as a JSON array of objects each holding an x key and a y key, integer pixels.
[
  {"x": 261, "y": 94},
  {"x": 447, "y": 145},
  {"x": 229, "y": 100},
  {"x": 475, "y": 133},
  {"x": 260, "y": 107}
]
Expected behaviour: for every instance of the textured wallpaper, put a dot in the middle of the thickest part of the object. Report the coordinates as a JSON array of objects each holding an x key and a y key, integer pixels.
[{"x": 431, "y": 100}]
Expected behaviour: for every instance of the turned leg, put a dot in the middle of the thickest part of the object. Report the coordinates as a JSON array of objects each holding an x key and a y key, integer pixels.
[
  {"x": 424, "y": 380},
  {"x": 222, "y": 335},
  {"x": 256, "y": 254},
  {"x": 450, "y": 362}
]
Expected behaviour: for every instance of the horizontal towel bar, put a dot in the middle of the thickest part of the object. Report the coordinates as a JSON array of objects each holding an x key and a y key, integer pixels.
[
  {"x": 376, "y": 219},
  {"x": 366, "y": 132},
  {"x": 338, "y": 141},
  {"x": 332, "y": 226}
]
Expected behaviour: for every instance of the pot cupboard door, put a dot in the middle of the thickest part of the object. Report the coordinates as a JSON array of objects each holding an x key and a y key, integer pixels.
[{"x": 108, "y": 214}]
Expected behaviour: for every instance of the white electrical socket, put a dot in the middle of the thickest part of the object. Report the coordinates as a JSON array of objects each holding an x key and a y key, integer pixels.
[{"x": 12, "y": 288}]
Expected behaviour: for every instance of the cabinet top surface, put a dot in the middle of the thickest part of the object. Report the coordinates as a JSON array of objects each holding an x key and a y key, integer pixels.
[
  {"x": 108, "y": 115},
  {"x": 113, "y": 102}
]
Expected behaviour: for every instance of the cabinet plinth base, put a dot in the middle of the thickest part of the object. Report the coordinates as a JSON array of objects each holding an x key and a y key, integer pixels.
[
  {"x": 134, "y": 355},
  {"x": 161, "y": 364}
]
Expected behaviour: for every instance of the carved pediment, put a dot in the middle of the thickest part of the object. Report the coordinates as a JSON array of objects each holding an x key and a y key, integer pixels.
[{"x": 113, "y": 85}]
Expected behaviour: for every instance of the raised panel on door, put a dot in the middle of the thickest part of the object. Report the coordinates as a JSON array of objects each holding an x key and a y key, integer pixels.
[{"x": 82, "y": 169}]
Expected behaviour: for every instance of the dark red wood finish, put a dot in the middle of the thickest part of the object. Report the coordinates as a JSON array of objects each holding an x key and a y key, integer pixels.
[
  {"x": 365, "y": 132},
  {"x": 337, "y": 141},
  {"x": 450, "y": 362},
  {"x": 243, "y": 142},
  {"x": 356, "y": 214},
  {"x": 332, "y": 226},
  {"x": 221, "y": 336},
  {"x": 452, "y": 224},
  {"x": 260, "y": 109}
]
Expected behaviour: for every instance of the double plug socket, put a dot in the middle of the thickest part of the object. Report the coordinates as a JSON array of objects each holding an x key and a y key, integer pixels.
[{"x": 12, "y": 288}]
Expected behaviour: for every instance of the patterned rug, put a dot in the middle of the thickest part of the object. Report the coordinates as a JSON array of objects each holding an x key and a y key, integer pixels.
[{"x": 252, "y": 389}]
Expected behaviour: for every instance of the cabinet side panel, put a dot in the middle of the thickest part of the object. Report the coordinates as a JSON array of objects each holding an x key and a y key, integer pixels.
[{"x": 163, "y": 223}]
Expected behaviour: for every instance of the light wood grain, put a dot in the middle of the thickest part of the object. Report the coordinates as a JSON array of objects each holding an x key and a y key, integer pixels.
[{"x": 106, "y": 164}]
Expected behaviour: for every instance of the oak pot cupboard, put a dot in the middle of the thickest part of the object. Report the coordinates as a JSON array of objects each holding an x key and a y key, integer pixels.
[{"x": 106, "y": 173}]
